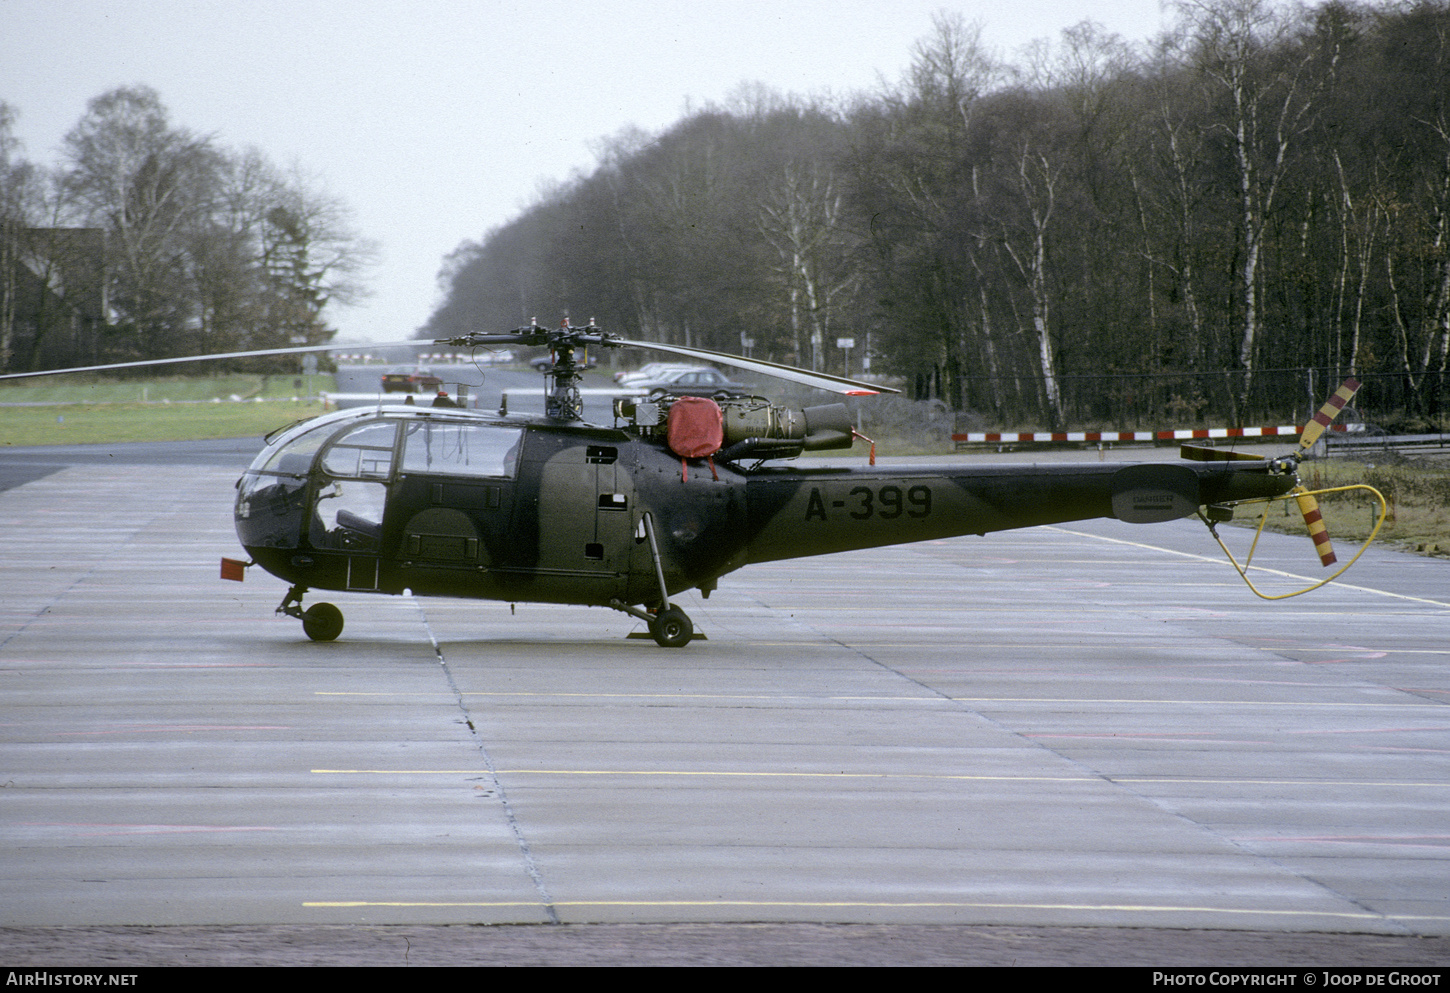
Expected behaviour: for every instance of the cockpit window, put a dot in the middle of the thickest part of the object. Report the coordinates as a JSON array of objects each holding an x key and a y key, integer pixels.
[
  {"x": 295, "y": 457},
  {"x": 461, "y": 449}
]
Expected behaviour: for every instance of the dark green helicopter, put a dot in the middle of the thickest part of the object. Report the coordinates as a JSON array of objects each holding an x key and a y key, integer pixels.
[{"x": 681, "y": 490}]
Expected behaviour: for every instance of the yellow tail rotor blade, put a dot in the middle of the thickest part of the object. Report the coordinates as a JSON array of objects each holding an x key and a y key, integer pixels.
[
  {"x": 1328, "y": 412},
  {"x": 1314, "y": 521}
]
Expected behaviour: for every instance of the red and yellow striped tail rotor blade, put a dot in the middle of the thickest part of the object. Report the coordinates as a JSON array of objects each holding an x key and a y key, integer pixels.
[
  {"x": 1328, "y": 412},
  {"x": 1309, "y": 507}
]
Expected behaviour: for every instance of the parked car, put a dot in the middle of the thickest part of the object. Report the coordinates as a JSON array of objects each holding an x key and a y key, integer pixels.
[
  {"x": 419, "y": 379},
  {"x": 689, "y": 381}
]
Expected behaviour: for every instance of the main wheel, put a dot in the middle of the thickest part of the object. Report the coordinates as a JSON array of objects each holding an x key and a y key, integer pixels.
[
  {"x": 672, "y": 628},
  {"x": 322, "y": 622}
]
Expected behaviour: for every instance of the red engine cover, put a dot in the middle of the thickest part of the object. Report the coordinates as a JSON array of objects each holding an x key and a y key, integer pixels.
[{"x": 696, "y": 427}]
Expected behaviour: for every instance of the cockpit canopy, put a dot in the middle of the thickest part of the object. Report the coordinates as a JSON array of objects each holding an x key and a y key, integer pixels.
[
  {"x": 294, "y": 490},
  {"x": 371, "y": 445}
]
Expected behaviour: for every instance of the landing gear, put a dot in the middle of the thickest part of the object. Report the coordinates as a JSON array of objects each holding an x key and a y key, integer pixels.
[
  {"x": 669, "y": 625},
  {"x": 321, "y": 621},
  {"x": 671, "y": 628}
]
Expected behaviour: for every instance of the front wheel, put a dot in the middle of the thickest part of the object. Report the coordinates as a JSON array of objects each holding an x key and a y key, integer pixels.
[
  {"x": 322, "y": 622},
  {"x": 672, "y": 628}
]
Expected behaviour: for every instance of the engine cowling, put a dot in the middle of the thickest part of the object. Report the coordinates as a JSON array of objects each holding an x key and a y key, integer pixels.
[{"x": 754, "y": 428}]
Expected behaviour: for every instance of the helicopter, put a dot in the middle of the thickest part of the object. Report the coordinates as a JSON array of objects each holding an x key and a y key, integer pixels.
[{"x": 677, "y": 493}]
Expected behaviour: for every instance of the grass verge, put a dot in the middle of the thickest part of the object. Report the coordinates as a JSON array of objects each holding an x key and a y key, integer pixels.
[
  {"x": 101, "y": 423},
  {"x": 89, "y": 409},
  {"x": 73, "y": 389}
]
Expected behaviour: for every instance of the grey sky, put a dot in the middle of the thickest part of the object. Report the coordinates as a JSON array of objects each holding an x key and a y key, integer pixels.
[{"x": 436, "y": 121}]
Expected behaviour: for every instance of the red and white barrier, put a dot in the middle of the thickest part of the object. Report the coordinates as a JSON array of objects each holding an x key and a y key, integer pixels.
[{"x": 1181, "y": 434}]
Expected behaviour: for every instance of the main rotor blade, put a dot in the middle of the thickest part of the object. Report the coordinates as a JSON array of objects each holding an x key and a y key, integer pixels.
[
  {"x": 257, "y": 353},
  {"x": 821, "y": 381},
  {"x": 482, "y": 340},
  {"x": 1328, "y": 413}
]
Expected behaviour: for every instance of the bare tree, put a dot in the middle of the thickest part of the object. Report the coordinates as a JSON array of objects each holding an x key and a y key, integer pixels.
[
  {"x": 802, "y": 219},
  {"x": 1244, "y": 49},
  {"x": 17, "y": 180},
  {"x": 311, "y": 256},
  {"x": 930, "y": 222},
  {"x": 1039, "y": 181},
  {"x": 144, "y": 182}
]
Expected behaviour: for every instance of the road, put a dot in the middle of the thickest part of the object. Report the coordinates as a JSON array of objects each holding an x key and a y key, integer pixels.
[{"x": 1090, "y": 731}]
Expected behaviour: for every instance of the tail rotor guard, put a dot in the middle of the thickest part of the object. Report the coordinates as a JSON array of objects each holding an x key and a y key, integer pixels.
[{"x": 1303, "y": 497}]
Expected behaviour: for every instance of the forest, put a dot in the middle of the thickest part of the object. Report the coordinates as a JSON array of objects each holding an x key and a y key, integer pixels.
[
  {"x": 1216, "y": 226},
  {"x": 150, "y": 240}
]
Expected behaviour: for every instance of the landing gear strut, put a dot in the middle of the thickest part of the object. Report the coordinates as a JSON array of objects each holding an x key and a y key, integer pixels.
[
  {"x": 321, "y": 621},
  {"x": 669, "y": 625}
]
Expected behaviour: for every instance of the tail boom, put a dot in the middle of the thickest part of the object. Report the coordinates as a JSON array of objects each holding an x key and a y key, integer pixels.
[{"x": 796, "y": 513}]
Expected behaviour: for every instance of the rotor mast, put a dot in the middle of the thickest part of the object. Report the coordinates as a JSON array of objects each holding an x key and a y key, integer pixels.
[{"x": 562, "y": 399}]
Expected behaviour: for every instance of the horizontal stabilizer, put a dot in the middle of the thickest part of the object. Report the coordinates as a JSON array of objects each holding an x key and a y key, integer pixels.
[{"x": 1198, "y": 453}]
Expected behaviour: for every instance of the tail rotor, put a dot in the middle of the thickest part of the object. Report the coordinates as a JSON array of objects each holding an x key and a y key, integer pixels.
[
  {"x": 1305, "y": 498},
  {"x": 1308, "y": 505}
]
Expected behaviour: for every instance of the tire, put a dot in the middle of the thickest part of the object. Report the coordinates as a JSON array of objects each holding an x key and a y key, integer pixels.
[
  {"x": 322, "y": 622},
  {"x": 672, "y": 628}
]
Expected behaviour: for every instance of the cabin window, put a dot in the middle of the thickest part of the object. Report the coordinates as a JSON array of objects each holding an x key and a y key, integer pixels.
[
  {"x": 460, "y": 449},
  {"x": 365, "y": 452},
  {"x": 349, "y": 516}
]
